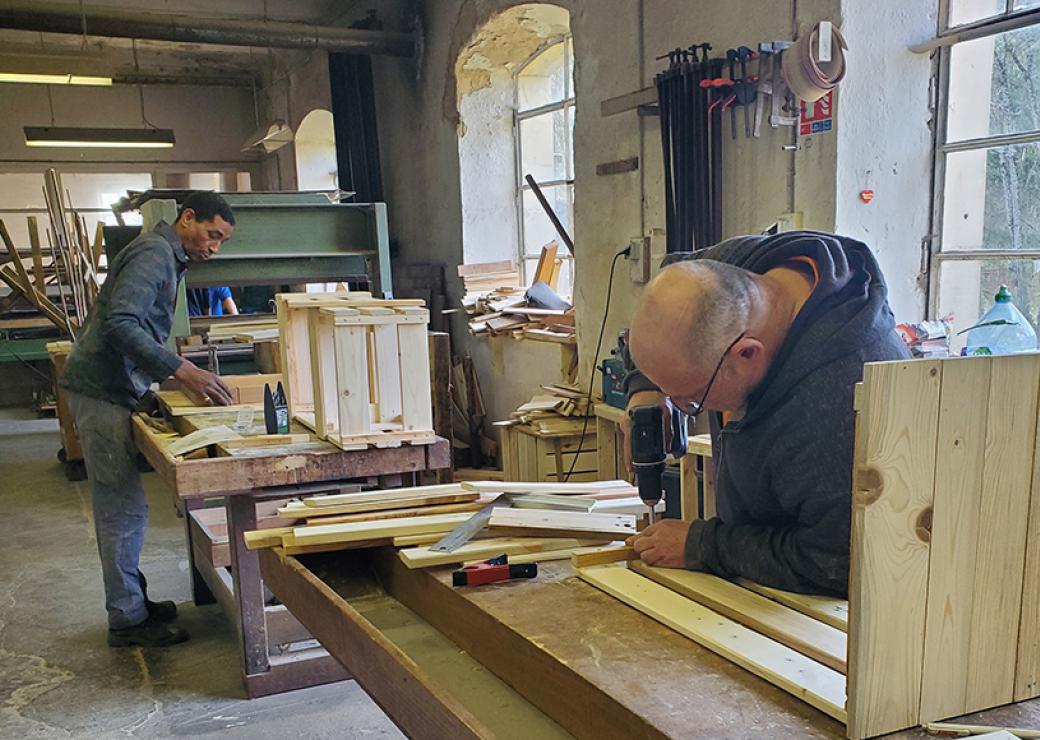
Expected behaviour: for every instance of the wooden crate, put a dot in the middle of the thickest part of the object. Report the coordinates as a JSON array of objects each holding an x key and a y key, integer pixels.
[
  {"x": 529, "y": 456},
  {"x": 370, "y": 375},
  {"x": 293, "y": 311}
]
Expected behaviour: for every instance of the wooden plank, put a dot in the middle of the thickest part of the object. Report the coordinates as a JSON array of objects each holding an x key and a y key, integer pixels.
[
  {"x": 258, "y": 539},
  {"x": 37, "y": 254},
  {"x": 369, "y": 516},
  {"x": 546, "y": 263},
  {"x": 892, "y": 497},
  {"x": 628, "y": 101},
  {"x": 335, "y": 533},
  {"x": 963, "y": 400},
  {"x": 581, "y": 489},
  {"x": 416, "y": 399},
  {"x": 689, "y": 488},
  {"x": 387, "y": 366},
  {"x": 320, "y": 331},
  {"x": 484, "y": 268},
  {"x": 1027, "y": 665},
  {"x": 419, "y": 707},
  {"x": 352, "y": 379},
  {"x": 1003, "y": 520},
  {"x": 297, "y": 510},
  {"x": 424, "y": 557},
  {"x": 826, "y": 609},
  {"x": 617, "y": 526},
  {"x": 959, "y": 730},
  {"x": 602, "y": 556},
  {"x": 388, "y": 494},
  {"x": 618, "y": 167},
  {"x": 783, "y": 667},
  {"x": 813, "y": 639}
]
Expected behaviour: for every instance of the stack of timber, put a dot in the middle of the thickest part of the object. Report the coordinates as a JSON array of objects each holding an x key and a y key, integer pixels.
[
  {"x": 415, "y": 518},
  {"x": 483, "y": 277},
  {"x": 552, "y": 411},
  {"x": 502, "y": 309},
  {"x": 357, "y": 368},
  {"x": 62, "y": 282}
]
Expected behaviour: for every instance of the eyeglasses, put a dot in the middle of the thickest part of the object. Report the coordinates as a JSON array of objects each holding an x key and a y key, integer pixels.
[{"x": 694, "y": 409}]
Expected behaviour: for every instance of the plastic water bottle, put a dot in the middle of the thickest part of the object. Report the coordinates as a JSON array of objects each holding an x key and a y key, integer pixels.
[{"x": 1003, "y": 330}]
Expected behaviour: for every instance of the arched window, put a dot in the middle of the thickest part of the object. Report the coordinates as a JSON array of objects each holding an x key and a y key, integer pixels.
[{"x": 543, "y": 134}]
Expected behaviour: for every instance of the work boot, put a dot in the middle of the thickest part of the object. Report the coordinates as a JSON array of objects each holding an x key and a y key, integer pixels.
[
  {"x": 163, "y": 611},
  {"x": 149, "y": 633}
]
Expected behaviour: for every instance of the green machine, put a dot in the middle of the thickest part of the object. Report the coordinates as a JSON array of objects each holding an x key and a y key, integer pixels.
[{"x": 284, "y": 238}]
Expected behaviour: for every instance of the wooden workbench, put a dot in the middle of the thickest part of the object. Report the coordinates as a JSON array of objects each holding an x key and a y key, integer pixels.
[
  {"x": 545, "y": 658},
  {"x": 272, "y": 657}
]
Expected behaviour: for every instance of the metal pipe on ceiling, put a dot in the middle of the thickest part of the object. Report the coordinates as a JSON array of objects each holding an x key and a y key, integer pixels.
[{"x": 114, "y": 23}]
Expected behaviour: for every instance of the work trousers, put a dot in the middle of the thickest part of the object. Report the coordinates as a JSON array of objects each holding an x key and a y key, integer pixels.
[{"x": 120, "y": 508}]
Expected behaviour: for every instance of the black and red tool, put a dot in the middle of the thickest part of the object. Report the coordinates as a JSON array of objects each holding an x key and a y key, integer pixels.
[{"x": 492, "y": 571}]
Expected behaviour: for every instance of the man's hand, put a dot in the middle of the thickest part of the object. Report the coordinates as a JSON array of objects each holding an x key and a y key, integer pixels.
[
  {"x": 645, "y": 398},
  {"x": 204, "y": 383},
  {"x": 662, "y": 544}
]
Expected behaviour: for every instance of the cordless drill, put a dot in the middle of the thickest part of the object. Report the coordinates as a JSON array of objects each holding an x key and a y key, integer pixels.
[{"x": 649, "y": 453}]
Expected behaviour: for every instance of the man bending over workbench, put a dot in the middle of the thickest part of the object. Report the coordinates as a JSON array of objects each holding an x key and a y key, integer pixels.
[
  {"x": 117, "y": 356},
  {"x": 770, "y": 333}
]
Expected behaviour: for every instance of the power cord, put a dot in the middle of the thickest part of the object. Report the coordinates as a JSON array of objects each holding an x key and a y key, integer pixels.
[{"x": 595, "y": 358}]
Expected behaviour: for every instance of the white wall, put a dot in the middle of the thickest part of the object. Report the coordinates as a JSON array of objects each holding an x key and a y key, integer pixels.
[
  {"x": 315, "y": 145},
  {"x": 884, "y": 143}
]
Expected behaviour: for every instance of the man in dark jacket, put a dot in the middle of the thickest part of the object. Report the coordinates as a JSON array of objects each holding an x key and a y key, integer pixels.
[
  {"x": 118, "y": 354},
  {"x": 771, "y": 334}
]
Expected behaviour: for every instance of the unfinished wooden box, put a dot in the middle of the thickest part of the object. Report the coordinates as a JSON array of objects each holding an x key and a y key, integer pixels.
[{"x": 530, "y": 456}]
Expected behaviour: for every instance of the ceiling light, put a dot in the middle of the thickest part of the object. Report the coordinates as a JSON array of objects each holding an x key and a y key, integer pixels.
[
  {"x": 53, "y": 79},
  {"x": 125, "y": 138},
  {"x": 269, "y": 138}
]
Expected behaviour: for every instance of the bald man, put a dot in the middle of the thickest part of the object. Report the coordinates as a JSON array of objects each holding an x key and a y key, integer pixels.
[{"x": 769, "y": 334}]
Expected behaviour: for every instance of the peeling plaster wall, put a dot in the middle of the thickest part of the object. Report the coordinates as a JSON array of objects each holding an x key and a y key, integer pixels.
[{"x": 885, "y": 143}]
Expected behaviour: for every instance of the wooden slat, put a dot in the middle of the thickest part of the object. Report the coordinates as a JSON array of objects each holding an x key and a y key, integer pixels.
[
  {"x": 581, "y": 489},
  {"x": 1027, "y": 666},
  {"x": 616, "y": 526},
  {"x": 387, "y": 365},
  {"x": 416, "y": 398},
  {"x": 891, "y": 513},
  {"x": 389, "y": 494},
  {"x": 370, "y": 516},
  {"x": 294, "y": 509},
  {"x": 424, "y": 557},
  {"x": 826, "y": 609},
  {"x": 335, "y": 533},
  {"x": 352, "y": 379},
  {"x": 778, "y": 664},
  {"x": 323, "y": 373},
  {"x": 955, "y": 530},
  {"x": 1003, "y": 519},
  {"x": 602, "y": 556},
  {"x": 813, "y": 639}
]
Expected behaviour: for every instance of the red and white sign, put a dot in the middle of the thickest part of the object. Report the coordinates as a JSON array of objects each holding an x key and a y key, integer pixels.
[{"x": 817, "y": 117}]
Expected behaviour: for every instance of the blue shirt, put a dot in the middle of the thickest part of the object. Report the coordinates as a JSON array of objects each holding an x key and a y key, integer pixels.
[
  {"x": 214, "y": 297},
  {"x": 119, "y": 351}
]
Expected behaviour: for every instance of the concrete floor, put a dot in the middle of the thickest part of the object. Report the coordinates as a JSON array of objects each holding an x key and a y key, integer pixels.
[{"x": 58, "y": 678}]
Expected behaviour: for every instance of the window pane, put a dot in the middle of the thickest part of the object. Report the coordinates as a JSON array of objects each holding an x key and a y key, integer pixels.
[
  {"x": 543, "y": 147},
  {"x": 538, "y": 229},
  {"x": 1026, "y": 4},
  {"x": 542, "y": 81},
  {"x": 569, "y": 112},
  {"x": 994, "y": 85},
  {"x": 570, "y": 66},
  {"x": 992, "y": 199},
  {"x": 969, "y": 11},
  {"x": 966, "y": 290}
]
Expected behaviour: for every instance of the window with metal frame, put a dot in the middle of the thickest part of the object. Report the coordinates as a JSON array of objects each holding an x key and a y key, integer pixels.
[
  {"x": 543, "y": 127},
  {"x": 986, "y": 217}
]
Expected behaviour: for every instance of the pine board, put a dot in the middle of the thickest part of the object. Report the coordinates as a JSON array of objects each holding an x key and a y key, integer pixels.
[
  {"x": 778, "y": 664},
  {"x": 891, "y": 511},
  {"x": 536, "y": 520},
  {"x": 336, "y": 533},
  {"x": 827, "y": 609},
  {"x": 424, "y": 557},
  {"x": 809, "y": 637}
]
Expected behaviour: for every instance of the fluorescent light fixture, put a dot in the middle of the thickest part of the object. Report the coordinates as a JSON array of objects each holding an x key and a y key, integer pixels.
[
  {"x": 108, "y": 138},
  {"x": 34, "y": 78}
]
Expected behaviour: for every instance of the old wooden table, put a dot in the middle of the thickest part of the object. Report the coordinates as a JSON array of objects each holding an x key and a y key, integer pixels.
[
  {"x": 553, "y": 657},
  {"x": 276, "y": 655}
]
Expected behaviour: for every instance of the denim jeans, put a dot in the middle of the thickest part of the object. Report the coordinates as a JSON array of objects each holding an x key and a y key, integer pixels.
[{"x": 120, "y": 508}]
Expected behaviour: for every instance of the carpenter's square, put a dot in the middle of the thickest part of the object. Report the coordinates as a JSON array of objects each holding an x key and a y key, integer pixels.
[{"x": 466, "y": 531}]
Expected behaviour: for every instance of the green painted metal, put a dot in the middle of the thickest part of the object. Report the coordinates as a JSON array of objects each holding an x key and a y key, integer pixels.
[{"x": 15, "y": 350}]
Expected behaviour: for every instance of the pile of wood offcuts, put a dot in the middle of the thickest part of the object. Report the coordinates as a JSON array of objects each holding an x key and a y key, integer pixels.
[
  {"x": 560, "y": 409},
  {"x": 545, "y": 521}
]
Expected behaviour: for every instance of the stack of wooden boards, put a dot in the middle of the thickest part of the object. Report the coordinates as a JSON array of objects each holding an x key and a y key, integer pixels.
[
  {"x": 498, "y": 305},
  {"x": 357, "y": 368},
  {"x": 71, "y": 264},
  {"x": 583, "y": 515},
  {"x": 552, "y": 411}
]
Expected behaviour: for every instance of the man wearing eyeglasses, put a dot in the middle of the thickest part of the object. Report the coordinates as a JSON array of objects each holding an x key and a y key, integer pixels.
[{"x": 769, "y": 334}]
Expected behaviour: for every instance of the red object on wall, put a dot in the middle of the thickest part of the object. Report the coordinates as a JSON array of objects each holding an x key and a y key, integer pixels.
[{"x": 866, "y": 195}]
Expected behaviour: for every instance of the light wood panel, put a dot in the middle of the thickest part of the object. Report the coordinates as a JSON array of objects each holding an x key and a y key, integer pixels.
[
  {"x": 827, "y": 609},
  {"x": 891, "y": 514},
  {"x": 335, "y": 533},
  {"x": 955, "y": 531},
  {"x": 424, "y": 557},
  {"x": 1003, "y": 517},
  {"x": 1027, "y": 665},
  {"x": 616, "y": 526},
  {"x": 809, "y": 637},
  {"x": 818, "y": 685}
]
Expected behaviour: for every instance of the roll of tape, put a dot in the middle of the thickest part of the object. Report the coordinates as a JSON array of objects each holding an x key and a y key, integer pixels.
[{"x": 808, "y": 77}]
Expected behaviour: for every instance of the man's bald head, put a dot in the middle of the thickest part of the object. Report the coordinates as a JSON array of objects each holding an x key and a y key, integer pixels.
[{"x": 687, "y": 317}]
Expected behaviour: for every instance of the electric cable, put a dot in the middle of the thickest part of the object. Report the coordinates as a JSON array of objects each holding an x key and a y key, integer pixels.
[{"x": 592, "y": 373}]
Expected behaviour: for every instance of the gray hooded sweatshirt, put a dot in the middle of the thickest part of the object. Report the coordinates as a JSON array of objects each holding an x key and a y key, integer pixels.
[{"x": 783, "y": 472}]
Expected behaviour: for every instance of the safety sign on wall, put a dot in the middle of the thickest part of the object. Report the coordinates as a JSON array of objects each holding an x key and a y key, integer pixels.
[{"x": 817, "y": 117}]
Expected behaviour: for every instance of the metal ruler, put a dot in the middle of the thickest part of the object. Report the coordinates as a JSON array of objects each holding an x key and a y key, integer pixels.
[{"x": 466, "y": 531}]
